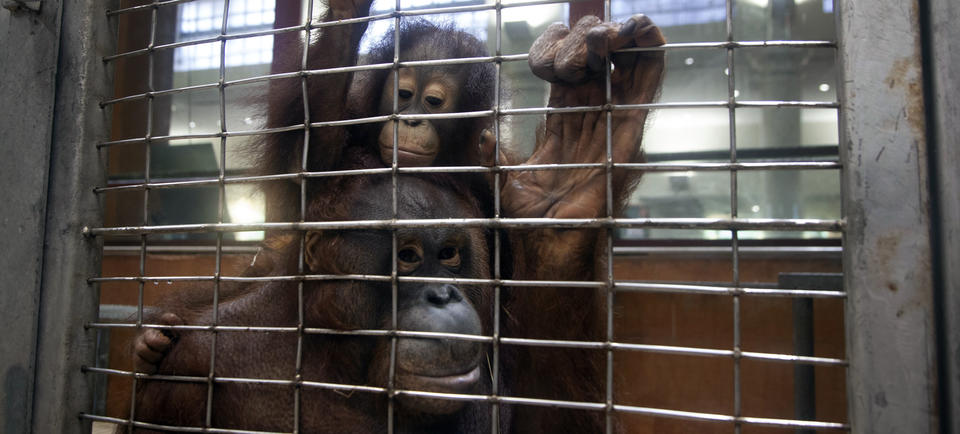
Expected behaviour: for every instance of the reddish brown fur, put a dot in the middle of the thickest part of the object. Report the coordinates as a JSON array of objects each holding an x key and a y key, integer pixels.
[
  {"x": 355, "y": 147},
  {"x": 541, "y": 254},
  {"x": 337, "y": 305}
]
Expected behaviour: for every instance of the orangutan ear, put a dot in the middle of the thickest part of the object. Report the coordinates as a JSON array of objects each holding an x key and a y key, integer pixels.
[{"x": 313, "y": 250}]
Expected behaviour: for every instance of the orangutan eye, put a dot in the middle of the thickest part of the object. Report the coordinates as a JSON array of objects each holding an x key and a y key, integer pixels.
[
  {"x": 449, "y": 256},
  {"x": 405, "y": 94},
  {"x": 409, "y": 255},
  {"x": 434, "y": 101}
]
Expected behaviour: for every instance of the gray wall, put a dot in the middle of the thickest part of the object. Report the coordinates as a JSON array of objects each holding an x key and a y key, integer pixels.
[{"x": 50, "y": 124}]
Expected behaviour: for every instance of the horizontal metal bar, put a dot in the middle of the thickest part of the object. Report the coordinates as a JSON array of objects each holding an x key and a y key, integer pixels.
[
  {"x": 765, "y": 165},
  {"x": 474, "y": 114},
  {"x": 140, "y": 375},
  {"x": 713, "y": 417},
  {"x": 459, "y": 115},
  {"x": 669, "y": 349},
  {"x": 439, "y": 62},
  {"x": 145, "y": 95},
  {"x": 686, "y": 251},
  {"x": 786, "y": 104},
  {"x": 159, "y": 279},
  {"x": 553, "y": 403},
  {"x": 316, "y": 25},
  {"x": 251, "y": 34},
  {"x": 201, "y": 41},
  {"x": 207, "y": 181},
  {"x": 310, "y": 72},
  {"x": 308, "y": 330},
  {"x": 297, "y": 278},
  {"x": 649, "y": 167},
  {"x": 652, "y": 287},
  {"x": 202, "y": 136},
  {"x": 445, "y": 396},
  {"x": 126, "y": 422},
  {"x": 201, "y": 328},
  {"x": 242, "y": 249},
  {"x": 675, "y": 414},
  {"x": 498, "y": 223},
  {"x": 709, "y": 352},
  {"x": 489, "y": 398},
  {"x": 794, "y": 359},
  {"x": 528, "y": 342},
  {"x": 724, "y": 290},
  {"x": 155, "y": 4},
  {"x": 734, "y": 44},
  {"x": 249, "y": 249},
  {"x": 791, "y": 423},
  {"x": 411, "y": 64}
]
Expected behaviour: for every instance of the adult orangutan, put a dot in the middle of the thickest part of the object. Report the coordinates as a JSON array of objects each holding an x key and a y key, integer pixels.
[
  {"x": 437, "y": 365},
  {"x": 573, "y": 60}
]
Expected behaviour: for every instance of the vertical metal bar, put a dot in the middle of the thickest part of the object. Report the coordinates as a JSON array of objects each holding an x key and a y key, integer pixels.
[
  {"x": 148, "y": 135},
  {"x": 804, "y": 376},
  {"x": 804, "y": 379},
  {"x": 609, "y": 423},
  {"x": 734, "y": 235},
  {"x": 941, "y": 60},
  {"x": 304, "y": 62},
  {"x": 891, "y": 380},
  {"x": 495, "y": 344},
  {"x": 26, "y": 130},
  {"x": 394, "y": 285},
  {"x": 64, "y": 346},
  {"x": 221, "y": 204}
]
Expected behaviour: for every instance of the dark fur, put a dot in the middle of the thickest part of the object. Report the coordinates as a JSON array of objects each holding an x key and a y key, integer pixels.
[
  {"x": 340, "y": 305},
  {"x": 344, "y": 148},
  {"x": 554, "y": 254}
]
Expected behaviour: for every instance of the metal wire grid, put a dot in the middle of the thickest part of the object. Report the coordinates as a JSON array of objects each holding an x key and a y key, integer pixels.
[{"x": 609, "y": 284}]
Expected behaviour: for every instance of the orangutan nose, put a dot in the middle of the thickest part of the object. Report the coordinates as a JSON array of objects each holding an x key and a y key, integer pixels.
[{"x": 443, "y": 295}]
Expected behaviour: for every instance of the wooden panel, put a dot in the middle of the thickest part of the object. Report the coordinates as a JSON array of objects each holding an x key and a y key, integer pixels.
[
  {"x": 126, "y": 293},
  {"x": 703, "y": 384}
]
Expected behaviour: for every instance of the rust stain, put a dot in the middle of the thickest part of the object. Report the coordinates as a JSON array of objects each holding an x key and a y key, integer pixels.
[
  {"x": 905, "y": 75},
  {"x": 885, "y": 254}
]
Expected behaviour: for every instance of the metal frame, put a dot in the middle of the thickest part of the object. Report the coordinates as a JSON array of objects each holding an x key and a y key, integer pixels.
[
  {"x": 64, "y": 345},
  {"x": 609, "y": 223},
  {"x": 943, "y": 132},
  {"x": 49, "y": 138},
  {"x": 892, "y": 253},
  {"x": 900, "y": 173},
  {"x": 24, "y": 168},
  {"x": 888, "y": 256}
]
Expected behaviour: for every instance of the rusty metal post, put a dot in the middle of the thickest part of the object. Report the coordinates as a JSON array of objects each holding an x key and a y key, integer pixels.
[
  {"x": 887, "y": 248},
  {"x": 942, "y": 63},
  {"x": 27, "y": 91},
  {"x": 51, "y": 122}
]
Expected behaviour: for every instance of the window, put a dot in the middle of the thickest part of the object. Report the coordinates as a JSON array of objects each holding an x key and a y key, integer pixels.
[{"x": 204, "y": 18}]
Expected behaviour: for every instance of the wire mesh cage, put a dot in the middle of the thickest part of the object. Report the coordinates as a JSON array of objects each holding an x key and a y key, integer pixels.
[{"x": 711, "y": 300}]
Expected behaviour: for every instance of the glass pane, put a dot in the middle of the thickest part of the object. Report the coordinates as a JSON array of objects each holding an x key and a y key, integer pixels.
[
  {"x": 787, "y": 133},
  {"x": 783, "y": 20},
  {"x": 785, "y": 74},
  {"x": 680, "y": 20},
  {"x": 695, "y": 75}
]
